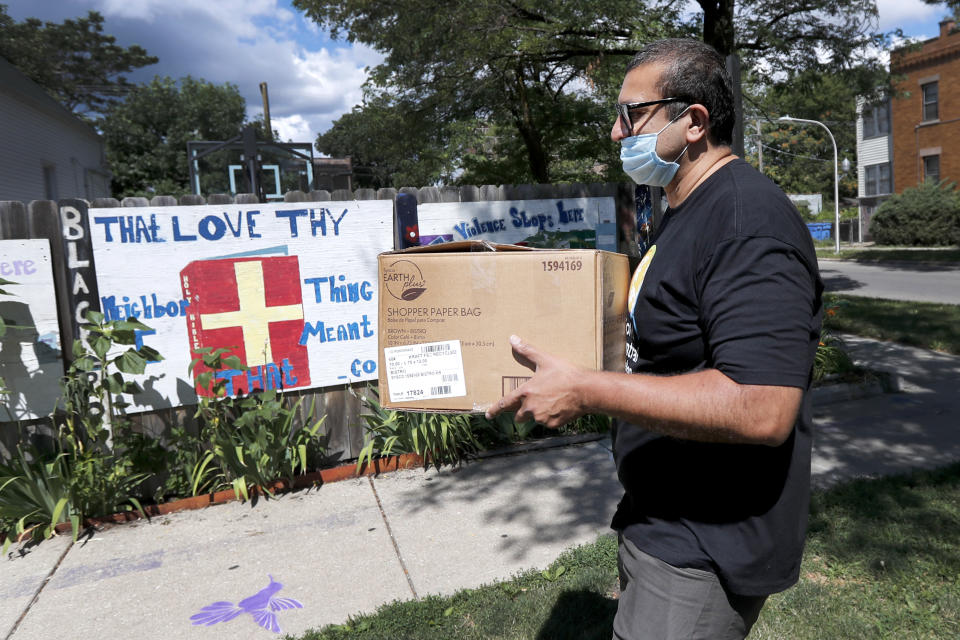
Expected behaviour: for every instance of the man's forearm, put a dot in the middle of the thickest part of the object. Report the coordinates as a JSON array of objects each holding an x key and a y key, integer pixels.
[{"x": 705, "y": 406}]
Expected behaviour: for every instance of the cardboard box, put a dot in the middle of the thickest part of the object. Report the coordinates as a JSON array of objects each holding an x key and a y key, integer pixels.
[{"x": 447, "y": 312}]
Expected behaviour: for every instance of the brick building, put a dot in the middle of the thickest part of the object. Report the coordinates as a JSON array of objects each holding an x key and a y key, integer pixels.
[
  {"x": 915, "y": 135},
  {"x": 926, "y": 110}
]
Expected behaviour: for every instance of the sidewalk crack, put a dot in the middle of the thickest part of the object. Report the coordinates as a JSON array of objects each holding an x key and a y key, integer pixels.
[
  {"x": 396, "y": 547},
  {"x": 36, "y": 594}
]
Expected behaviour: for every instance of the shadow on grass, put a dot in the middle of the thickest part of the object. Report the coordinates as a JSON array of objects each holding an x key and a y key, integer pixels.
[
  {"x": 580, "y": 615},
  {"x": 891, "y": 524},
  {"x": 914, "y": 323}
]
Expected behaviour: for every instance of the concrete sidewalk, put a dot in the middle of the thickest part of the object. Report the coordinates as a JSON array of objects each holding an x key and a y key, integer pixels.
[{"x": 352, "y": 546}]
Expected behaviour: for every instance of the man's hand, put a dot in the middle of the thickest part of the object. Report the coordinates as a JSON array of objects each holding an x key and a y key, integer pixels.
[{"x": 551, "y": 397}]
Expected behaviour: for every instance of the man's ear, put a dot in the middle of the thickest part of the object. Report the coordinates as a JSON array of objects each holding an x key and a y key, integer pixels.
[{"x": 699, "y": 123}]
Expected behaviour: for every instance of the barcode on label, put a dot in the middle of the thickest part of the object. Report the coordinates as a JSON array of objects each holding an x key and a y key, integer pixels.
[
  {"x": 441, "y": 390},
  {"x": 510, "y": 383},
  {"x": 450, "y": 377},
  {"x": 434, "y": 348}
]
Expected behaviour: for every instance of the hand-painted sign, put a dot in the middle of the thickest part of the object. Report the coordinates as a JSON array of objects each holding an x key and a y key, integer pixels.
[
  {"x": 558, "y": 223},
  {"x": 288, "y": 288},
  {"x": 81, "y": 270},
  {"x": 30, "y": 362},
  {"x": 257, "y": 305}
]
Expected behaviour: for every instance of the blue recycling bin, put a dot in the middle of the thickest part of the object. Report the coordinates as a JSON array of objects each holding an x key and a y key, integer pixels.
[{"x": 820, "y": 230}]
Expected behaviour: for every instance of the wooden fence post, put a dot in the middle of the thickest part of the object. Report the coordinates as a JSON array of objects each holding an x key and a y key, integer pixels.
[
  {"x": 14, "y": 224},
  {"x": 81, "y": 286}
]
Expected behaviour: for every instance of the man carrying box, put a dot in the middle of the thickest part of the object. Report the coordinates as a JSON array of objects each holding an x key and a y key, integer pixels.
[{"x": 713, "y": 423}]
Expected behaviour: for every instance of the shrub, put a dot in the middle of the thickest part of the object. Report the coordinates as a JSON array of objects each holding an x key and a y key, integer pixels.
[
  {"x": 927, "y": 215},
  {"x": 439, "y": 438},
  {"x": 248, "y": 440}
]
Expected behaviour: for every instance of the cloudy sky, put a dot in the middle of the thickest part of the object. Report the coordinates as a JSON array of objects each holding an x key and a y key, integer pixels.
[{"x": 312, "y": 80}]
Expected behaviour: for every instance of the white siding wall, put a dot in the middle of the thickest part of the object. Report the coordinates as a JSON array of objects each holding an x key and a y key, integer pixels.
[
  {"x": 869, "y": 152},
  {"x": 32, "y": 138}
]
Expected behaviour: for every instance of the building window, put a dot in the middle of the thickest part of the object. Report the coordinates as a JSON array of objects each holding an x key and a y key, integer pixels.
[
  {"x": 877, "y": 179},
  {"x": 931, "y": 168},
  {"x": 876, "y": 120},
  {"x": 930, "y": 101},
  {"x": 50, "y": 182}
]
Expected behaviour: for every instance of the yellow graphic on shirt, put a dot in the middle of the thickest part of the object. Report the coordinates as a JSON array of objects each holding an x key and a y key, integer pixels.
[{"x": 637, "y": 281}]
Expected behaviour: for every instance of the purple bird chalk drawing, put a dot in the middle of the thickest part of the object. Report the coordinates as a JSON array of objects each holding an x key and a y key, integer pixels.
[{"x": 261, "y": 605}]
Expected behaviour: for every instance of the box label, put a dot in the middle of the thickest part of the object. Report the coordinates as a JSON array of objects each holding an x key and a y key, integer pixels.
[{"x": 425, "y": 371}]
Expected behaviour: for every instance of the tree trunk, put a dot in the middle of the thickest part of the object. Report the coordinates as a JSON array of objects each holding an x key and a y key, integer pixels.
[
  {"x": 718, "y": 25},
  {"x": 718, "y": 32},
  {"x": 523, "y": 118}
]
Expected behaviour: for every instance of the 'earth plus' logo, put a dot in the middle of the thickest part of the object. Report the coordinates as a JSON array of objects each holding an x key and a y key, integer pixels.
[{"x": 403, "y": 280}]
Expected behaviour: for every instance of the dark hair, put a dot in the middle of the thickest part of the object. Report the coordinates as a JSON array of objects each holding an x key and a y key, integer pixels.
[{"x": 697, "y": 74}]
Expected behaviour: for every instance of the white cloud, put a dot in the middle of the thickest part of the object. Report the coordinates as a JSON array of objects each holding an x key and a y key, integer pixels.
[
  {"x": 311, "y": 81},
  {"x": 898, "y": 13},
  {"x": 229, "y": 16},
  {"x": 293, "y": 128}
]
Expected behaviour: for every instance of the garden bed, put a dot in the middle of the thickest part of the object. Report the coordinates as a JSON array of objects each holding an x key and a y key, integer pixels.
[{"x": 305, "y": 481}]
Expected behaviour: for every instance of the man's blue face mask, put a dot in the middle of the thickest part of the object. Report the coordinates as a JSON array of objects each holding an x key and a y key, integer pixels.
[{"x": 641, "y": 162}]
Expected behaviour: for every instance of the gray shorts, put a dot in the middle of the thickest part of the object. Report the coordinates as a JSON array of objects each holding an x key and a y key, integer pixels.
[{"x": 661, "y": 602}]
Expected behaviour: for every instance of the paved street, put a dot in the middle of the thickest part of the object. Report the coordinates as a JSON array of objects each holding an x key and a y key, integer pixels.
[{"x": 895, "y": 281}]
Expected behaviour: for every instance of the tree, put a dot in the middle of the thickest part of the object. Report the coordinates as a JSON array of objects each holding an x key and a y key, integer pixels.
[
  {"x": 75, "y": 61},
  {"x": 952, "y": 5},
  {"x": 540, "y": 75},
  {"x": 146, "y": 135},
  {"x": 391, "y": 147},
  {"x": 788, "y": 36},
  {"x": 543, "y": 75},
  {"x": 800, "y": 157}
]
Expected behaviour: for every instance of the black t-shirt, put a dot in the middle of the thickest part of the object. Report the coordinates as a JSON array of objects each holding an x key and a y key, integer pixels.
[{"x": 729, "y": 283}]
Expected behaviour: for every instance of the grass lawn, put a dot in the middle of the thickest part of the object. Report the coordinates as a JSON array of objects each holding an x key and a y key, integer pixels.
[
  {"x": 881, "y": 254},
  {"x": 921, "y": 324},
  {"x": 882, "y": 561}
]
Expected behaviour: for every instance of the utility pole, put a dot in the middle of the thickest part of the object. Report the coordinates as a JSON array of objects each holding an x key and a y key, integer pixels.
[
  {"x": 733, "y": 68},
  {"x": 759, "y": 147},
  {"x": 266, "y": 111}
]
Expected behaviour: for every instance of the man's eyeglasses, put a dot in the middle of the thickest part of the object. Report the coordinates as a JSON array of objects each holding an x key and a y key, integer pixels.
[{"x": 625, "y": 108}]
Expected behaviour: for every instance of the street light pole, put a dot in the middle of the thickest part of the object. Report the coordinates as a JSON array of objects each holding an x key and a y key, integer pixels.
[{"x": 836, "y": 177}]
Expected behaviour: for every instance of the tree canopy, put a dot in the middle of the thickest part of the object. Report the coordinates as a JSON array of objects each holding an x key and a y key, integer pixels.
[
  {"x": 518, "y": 91},
  {"x": 523, "y": 76},
  {"x": 147, "y": 134},
  {"x": 799, "y": 157},
  {"x": 788, "y": 36},
  {"x": 74, "y": 61},
  {"x": 952, "y": 5}
]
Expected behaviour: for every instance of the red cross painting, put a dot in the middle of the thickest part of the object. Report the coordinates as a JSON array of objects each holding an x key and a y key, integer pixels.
[{"x": 254, "y": 307}]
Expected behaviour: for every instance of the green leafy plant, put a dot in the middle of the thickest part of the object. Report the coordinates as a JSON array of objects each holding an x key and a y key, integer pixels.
[
  {"x": 192, "y": 467},
  {"x": 505, "y": 430},
  {"x": 92, "y": 469},
  {"x": 442, "y": 438},
  {"x": 251, "y": 438},
  {"x": 831, "y": 358},
  {"x": 553, "y": 576},
  {"x": 94, "y": 430},
  {"x": 439, "y": 438},
  {"x": 34, "y": 495},
  {"x": 502, "y": 430}
]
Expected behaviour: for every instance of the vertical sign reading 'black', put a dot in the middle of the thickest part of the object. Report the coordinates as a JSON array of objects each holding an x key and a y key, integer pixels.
[{"x": 82, "y": 293}]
